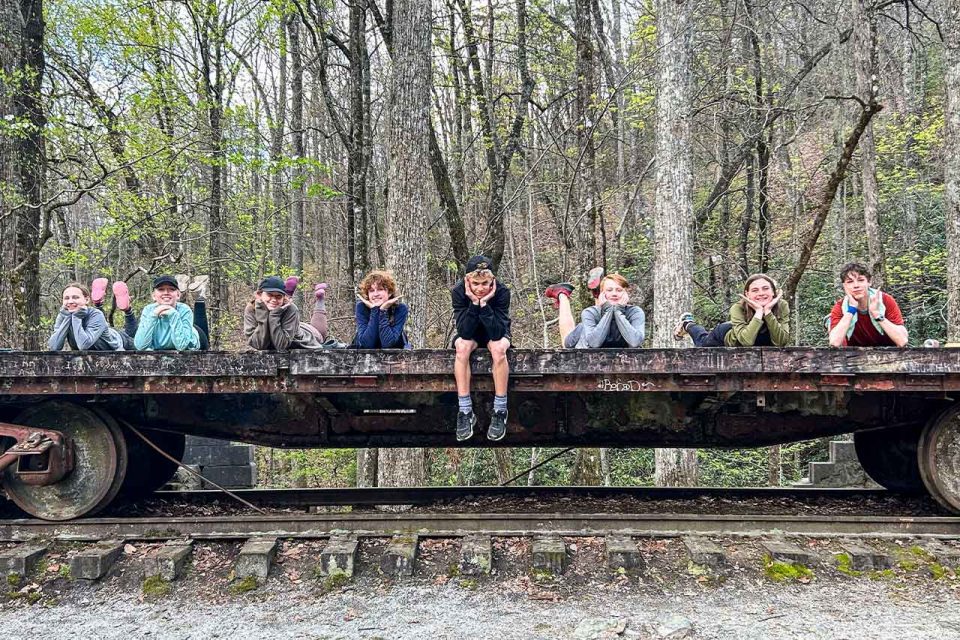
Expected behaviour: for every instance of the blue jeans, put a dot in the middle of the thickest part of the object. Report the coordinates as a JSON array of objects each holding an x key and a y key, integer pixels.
[{"x": 714, "y": 338}]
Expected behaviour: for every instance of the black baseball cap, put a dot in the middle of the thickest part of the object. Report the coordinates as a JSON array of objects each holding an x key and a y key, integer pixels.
[
  {"x": 272, "y": 284},
  {"x": 477, "y": 263},
  {"x": 166, "y": 279}
]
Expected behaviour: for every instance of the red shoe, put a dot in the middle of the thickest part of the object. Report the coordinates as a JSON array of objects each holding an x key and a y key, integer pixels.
[
  {"x": 554, "y": 291},
  {"x": 121, "y": 295},
  {"x": 594, "y": 278},
  {"x": 98, "y": 291}
]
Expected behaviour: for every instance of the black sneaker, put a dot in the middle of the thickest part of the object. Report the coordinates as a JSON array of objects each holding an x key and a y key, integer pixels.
[
  {"x": 465, "y": 424},
  {"x": 498, "y": 425}
]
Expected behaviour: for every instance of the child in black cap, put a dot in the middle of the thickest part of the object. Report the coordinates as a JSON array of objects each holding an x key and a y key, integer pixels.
[
  {"x": 168, "y": 324},
  {"x": 481, "y": 307},
  {"x": 272, "y": 321}
]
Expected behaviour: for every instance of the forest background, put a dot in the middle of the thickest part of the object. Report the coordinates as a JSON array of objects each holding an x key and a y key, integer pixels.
[{"x": 684, "y": 144}]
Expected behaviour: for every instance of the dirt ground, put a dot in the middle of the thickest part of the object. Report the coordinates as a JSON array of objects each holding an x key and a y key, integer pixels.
[{"x": 669, "y": 598}]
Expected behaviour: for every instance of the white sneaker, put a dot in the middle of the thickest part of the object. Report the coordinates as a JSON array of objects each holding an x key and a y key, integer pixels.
[{"x": 198, "y": 286}]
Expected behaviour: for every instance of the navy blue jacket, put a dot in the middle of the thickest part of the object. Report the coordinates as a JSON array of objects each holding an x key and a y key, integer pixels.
[{"x": 381, "y": 330}]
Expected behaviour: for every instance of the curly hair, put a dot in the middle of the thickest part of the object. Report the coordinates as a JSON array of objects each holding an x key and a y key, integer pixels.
[
  {"x": 382, "y": 279},
  {"x": 854, "y": 267}
]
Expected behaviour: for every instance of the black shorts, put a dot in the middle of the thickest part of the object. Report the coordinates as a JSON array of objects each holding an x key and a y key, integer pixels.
[{"x": 482, "y": 341}]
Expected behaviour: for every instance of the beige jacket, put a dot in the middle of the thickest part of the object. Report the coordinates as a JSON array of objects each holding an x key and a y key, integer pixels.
[{"x": 278, "y": 329}]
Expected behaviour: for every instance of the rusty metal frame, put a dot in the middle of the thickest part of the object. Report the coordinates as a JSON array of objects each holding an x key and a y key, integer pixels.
[
  {"x": 33, "y": 441},
  {"x": 431, "y": 371}
]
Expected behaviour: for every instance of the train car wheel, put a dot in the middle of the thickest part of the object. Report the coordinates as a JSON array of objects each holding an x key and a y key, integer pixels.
[
  {"x": 889, "y": 456},
  {"x": 939, "y": 457},
  {"x": 100, "y": 463},
  {"x": 148, "y": 469}
]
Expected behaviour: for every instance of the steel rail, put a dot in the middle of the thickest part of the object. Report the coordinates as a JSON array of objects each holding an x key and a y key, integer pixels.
[
  {"x": 499, "y": 524},
  {"x": 368, "y": 496}
]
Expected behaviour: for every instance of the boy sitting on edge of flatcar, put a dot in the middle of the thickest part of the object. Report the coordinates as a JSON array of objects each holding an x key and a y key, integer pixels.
[{"x": 481, "y": 308}]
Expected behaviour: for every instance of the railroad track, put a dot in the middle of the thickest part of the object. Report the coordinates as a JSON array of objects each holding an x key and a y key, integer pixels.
[
  {"x": 457, "y": 524},
  {"x": 371, "y": 496}
]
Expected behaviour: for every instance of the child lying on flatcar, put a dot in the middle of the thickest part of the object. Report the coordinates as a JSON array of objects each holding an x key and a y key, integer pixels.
[
  {"x": 380, "y": 315},
  {"x": 272, "y": 321},
  {"x": 612, "y": 323},
  {"x": 167, "y": 324},
  {"x": 760, "y": 319},
  {"x": 84, "y": 327}
]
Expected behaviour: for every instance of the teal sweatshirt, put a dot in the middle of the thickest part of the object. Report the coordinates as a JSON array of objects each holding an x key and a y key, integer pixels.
[{"x": 172, "y": 331}]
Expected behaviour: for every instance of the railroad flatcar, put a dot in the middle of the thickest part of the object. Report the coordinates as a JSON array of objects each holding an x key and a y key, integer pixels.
[{"x": 80, "y": 430}]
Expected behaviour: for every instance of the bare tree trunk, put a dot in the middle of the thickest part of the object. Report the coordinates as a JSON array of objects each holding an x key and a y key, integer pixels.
[
  {"x": 912, "y": 86},
  {"x": 764, "y": 130},
  {"x": 367, "y": 467},
  {"x": 504, "y": 464},
  {"x": 865, "y": 58},
  {"x": 774, "y": 459},
  {"x": 210, "y": 39},
  {"x": 952, "y": 171},
  {"x": 296, "y": 129},
  {"x": 821, "y": 209},
  {"x": 673, "y": 211},
  {"x": 586, "y": 468},
  {"x": 23, "y": 229},
  {"x": 277, "y": 128},
  {"x": 411, "y": 195}
]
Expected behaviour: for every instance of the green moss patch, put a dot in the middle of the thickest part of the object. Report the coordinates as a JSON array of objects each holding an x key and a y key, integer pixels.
[
  {"x": 156, "y": 587},
  {"x": 786, "y": 571},
  {"x": 244, "y": 585},
  {"x": 845, "y": 565},
  {"x": 334, "y": 581}
]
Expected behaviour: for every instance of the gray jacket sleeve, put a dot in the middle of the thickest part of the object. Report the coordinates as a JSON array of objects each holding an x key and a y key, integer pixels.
[
  {"x": 61, "y": 327},
  {"x": 87, "y": 333},
  {"x": 631, "y": 320},
  {"x": 596, "y": 327}
]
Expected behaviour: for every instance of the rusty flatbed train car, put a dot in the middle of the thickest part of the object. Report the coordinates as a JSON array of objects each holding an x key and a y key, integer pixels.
[{"x": 66, "y": 418}]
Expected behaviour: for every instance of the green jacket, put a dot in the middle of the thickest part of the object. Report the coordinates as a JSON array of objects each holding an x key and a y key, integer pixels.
[{"x": 744, "y": 331}]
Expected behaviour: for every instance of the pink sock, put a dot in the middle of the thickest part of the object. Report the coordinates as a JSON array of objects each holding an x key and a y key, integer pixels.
[{"x": 320, "y": 291}]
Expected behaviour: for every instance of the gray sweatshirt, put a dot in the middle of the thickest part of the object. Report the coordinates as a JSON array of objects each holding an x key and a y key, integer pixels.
[
  {"x": 85, "y": 330},
  {"x": 612, "y": 326}
]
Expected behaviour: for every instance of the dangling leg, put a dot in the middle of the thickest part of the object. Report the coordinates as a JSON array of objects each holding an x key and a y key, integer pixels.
[{"x": 121, "y": 298}]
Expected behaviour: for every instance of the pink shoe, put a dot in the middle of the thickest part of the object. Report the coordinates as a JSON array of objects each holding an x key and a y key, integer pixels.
[
  {"x": 98, "y": 291},
  {"x": 290, "y": 285},
  {"x": 320, "y": 291},
  {"x": 121, "y": 295}
]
